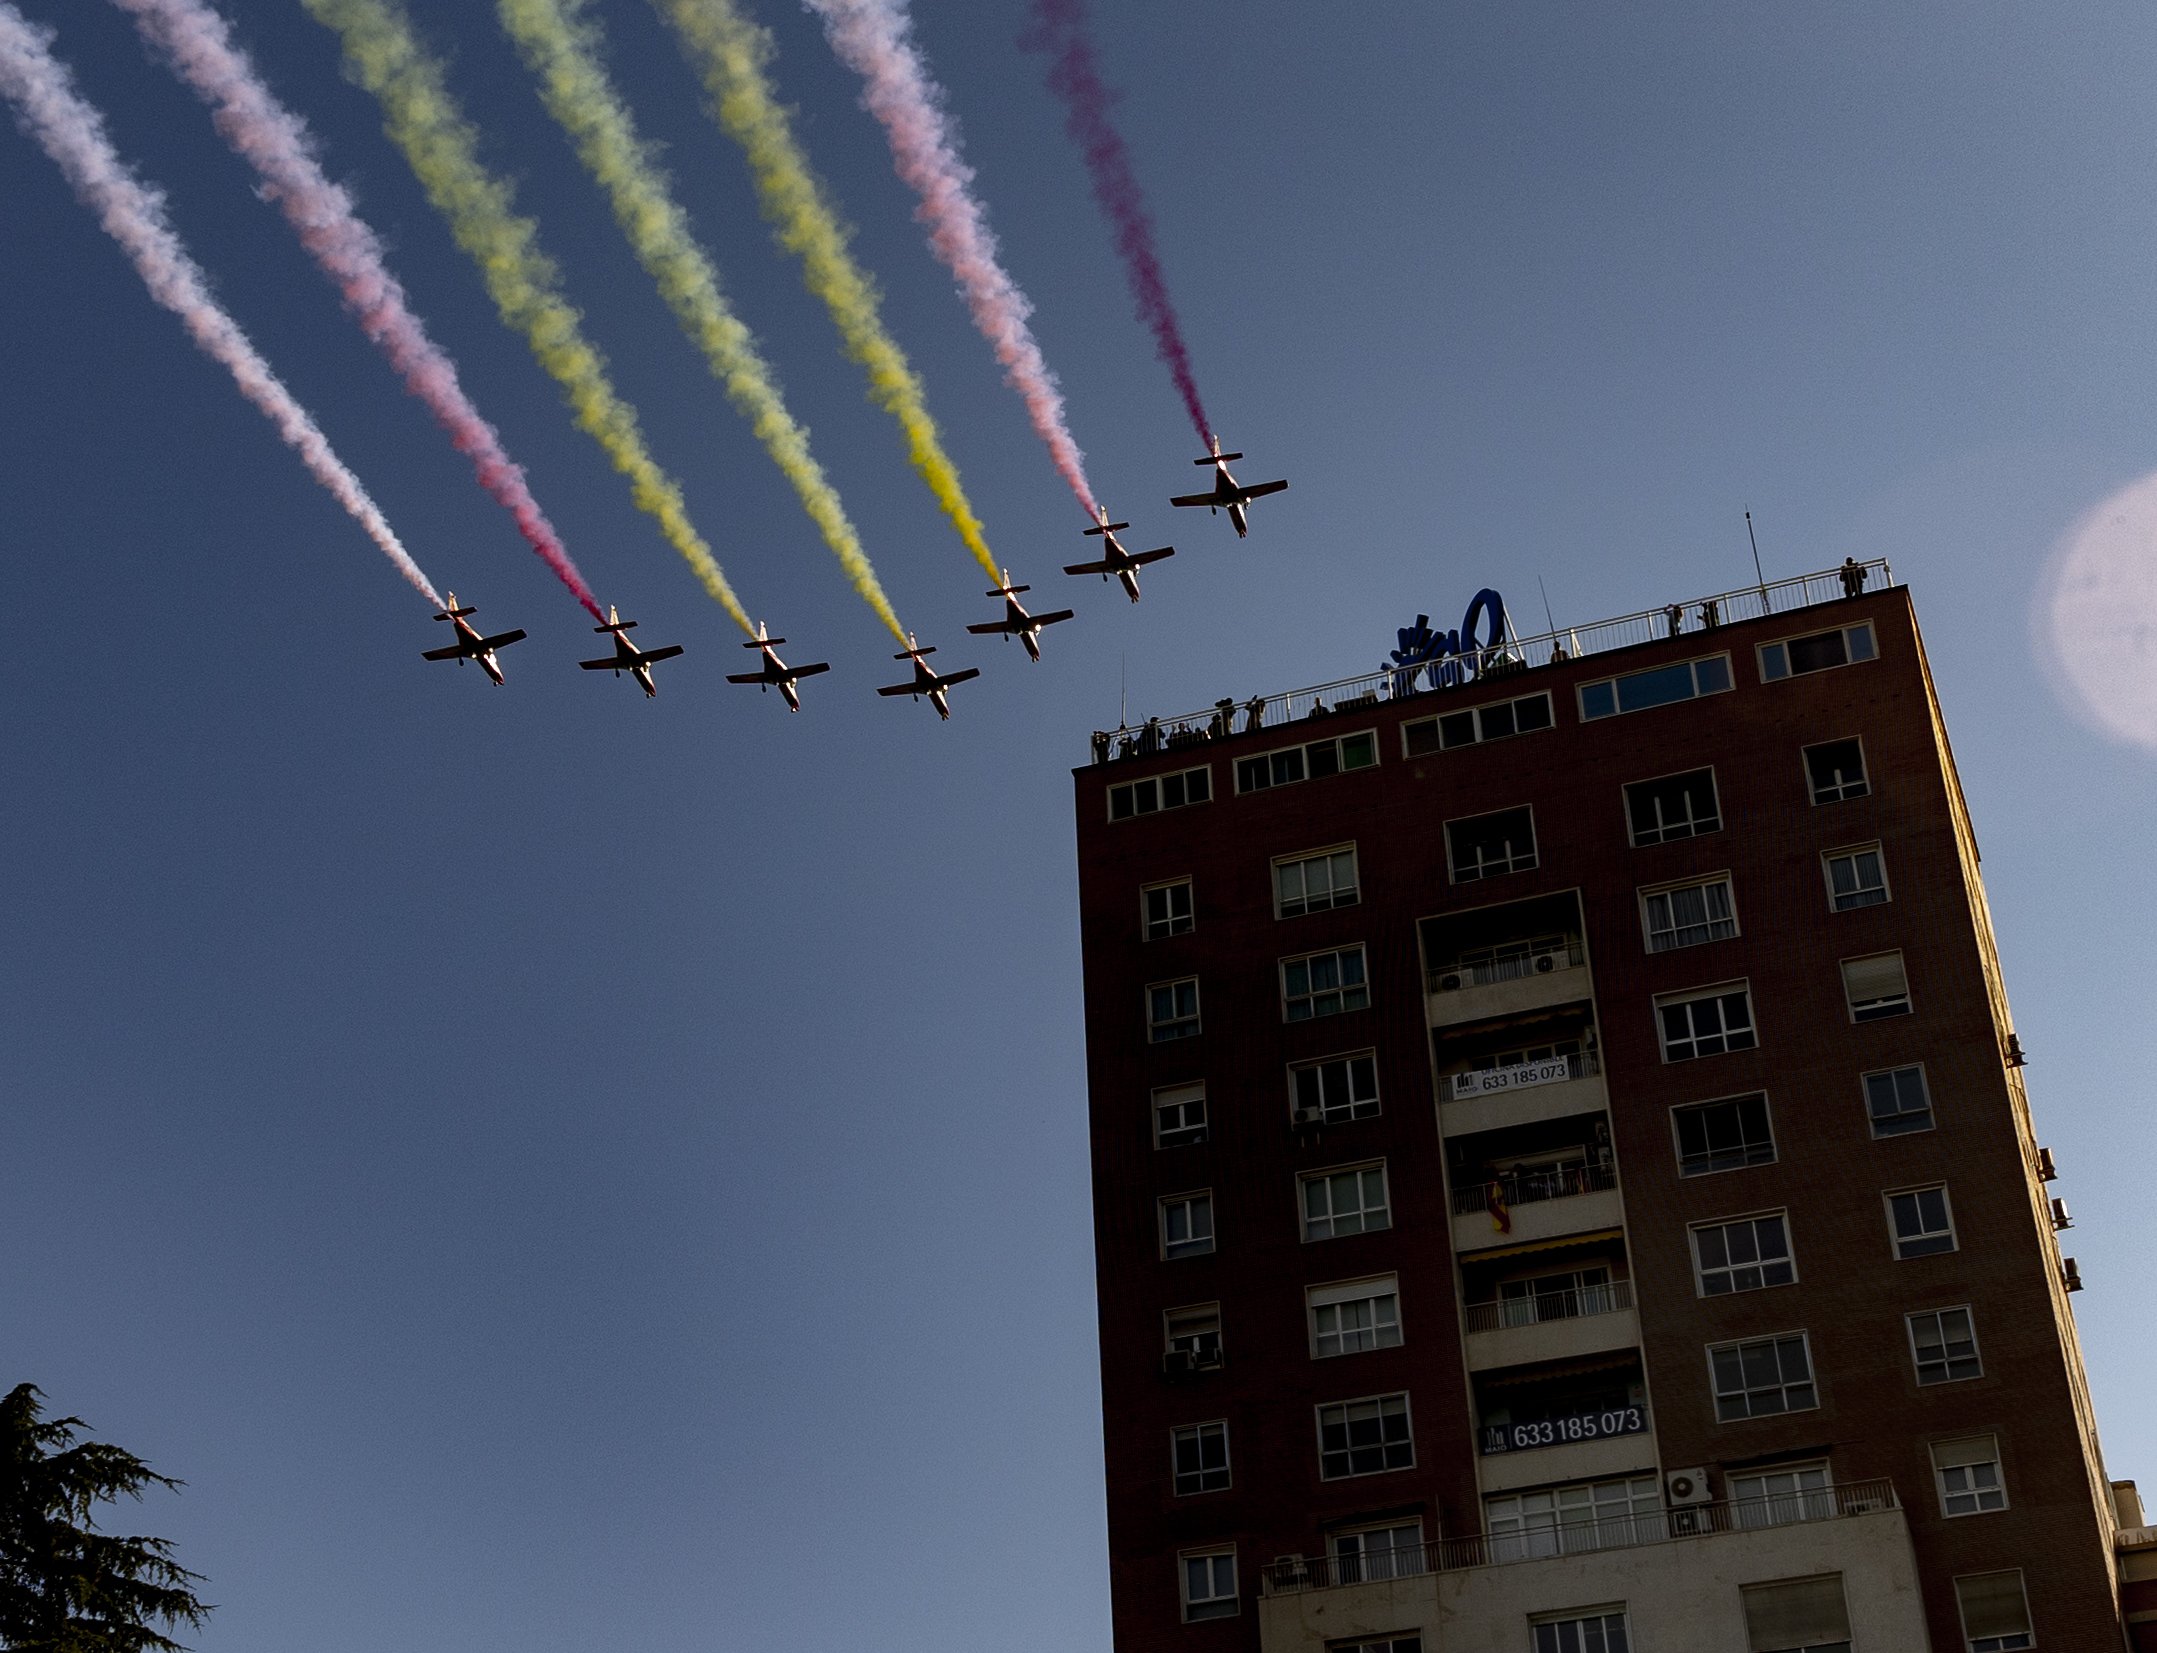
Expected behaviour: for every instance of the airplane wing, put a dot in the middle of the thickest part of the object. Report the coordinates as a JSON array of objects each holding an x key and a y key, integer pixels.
[
  {"x": 992, "y": 625},
  {"x": 449, "y": 653},
  {"x": 1152, "y": 556},
  {"x": 1258, "y": 488},
  {"x": 747, "y": 677},
  {"x": 1083, "y": 568},
  {"x": 649, "y": 655},
  {"x": 950, "y": 678},
  {"x": 810, "y": 671},
  {"x": 901, "y": 688},
  {"x": 1196, "y": 499},
  {"x": 501, "y": 640},
  {"x": 1051, "y": 619},
  {"x": 613, "y": 662}
]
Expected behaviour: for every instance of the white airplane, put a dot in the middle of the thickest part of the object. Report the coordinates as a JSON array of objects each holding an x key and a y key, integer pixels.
[
  {"x": 1016, "y": 621},
  {"x": 1115, "y": 559},
  {"x": 774, "y": 673},
  {"x": 627, "y": 657},
  {"x": 1227, "y": 494},
  {"x": 926, "y": 682},
  {"x": 469, "y": 644}
]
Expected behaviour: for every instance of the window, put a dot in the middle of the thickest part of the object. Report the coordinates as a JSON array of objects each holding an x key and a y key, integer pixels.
[
  {"x": 1306, "y": 763},
  {"x": 1314, "y": 883},
  {"x": 1337, "y": 1089},
  {"x": 1723, "y": 1136},
  {"x": 1367, "y": 1554},
  {"x": 1364, "y": 1437},
  {"x": 1336, "y": 1203},
  {"x": 1592, "y": 1515},
  {"x": 1921, "y": 1221},
  {"x": 1356, "y": 1315},
  {"x": 1795, "y": 656},
  {"x": 1172, "y": 1010},
  {"x": 1602, "y": 1631},
  {"x": 1384, "y": 1644},
  {"x": 1166, "y": 909},
  {"x": 1943, "y": 1342},
  {"x": 1483, "y": 846},
  {"x": 1855, "y": 878},
  {"x": 1189, "y": 786},
  {"x": 1179, "y": 1116},
  {"x": 1896, "y": 1101},
  {"x": 1835, "y": 770},
  {"x": 1195, "y": 1331},
  {"x": 1745, "y": 1254},
  {"x": 1969, "y": 1475},
  {"x": 1685, "y": 915},
  {"x": 1875, "y": 987},
  {"x": 1200, "y": 1454},
  {"x": 1473, "y": 724},
  {"x": 1187, "y": 1225},
  {"x": 1761, "y": 1377},
  {"x": 1658, "y": 686},
  {"x": 1209, "y": 1584},
  {"x": 1705, "y": 1022},
  {"x": 1323, "y": 984},
  {"x": 1675, "y": 806},
  {"x": 1995, "y": 1612},
  {"x": 1777, "y": 1497},
  {"x": 1797, "y": 1615}
]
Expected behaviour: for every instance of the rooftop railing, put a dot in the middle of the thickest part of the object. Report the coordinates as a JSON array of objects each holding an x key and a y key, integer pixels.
[
  {"x": 1513, "y": 656},
  {"x": 1592, "y": 1530}
]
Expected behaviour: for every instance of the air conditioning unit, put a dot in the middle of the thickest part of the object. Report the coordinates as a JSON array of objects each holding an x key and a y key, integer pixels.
[
  {"x": 1178, "y": 1363},
  {"x": 1450, "y": 983},
  {"x": 2070, "y": 1274},
  {"x": 1309, "y": 1117},
  {"x": 1290, "y": 1572},
  {"x": 1686, "y": 1486},
  {"x": 2046, "y": 1170},
  {"x": 1691, "y": 1522},
  {"x": 2060, "y": 1218},
  {"x": 1206, "y": 1358},
  {"x": 1867, "y": 1505},
  {"x": 1545, "y": 963}
]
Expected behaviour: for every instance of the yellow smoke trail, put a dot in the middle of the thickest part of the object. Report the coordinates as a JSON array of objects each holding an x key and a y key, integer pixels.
[
  {"x": 561, "y": 46},
  {"x": 383, "y": 55},
  {"x": 732, "y": 53}
]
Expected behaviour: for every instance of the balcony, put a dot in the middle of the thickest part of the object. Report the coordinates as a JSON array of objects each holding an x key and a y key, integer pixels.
[
  {"x": 1488, "y": 1099},
  {"x": 1558, "y": 1203},
  {"x": 1560, "y": 1325},
  {"x": 1507, "y": 979}
]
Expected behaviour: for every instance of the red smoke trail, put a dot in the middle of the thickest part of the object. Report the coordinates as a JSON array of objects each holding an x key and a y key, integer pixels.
[
  {"x": 50, "y": 111},
  {"x": 276, "y": 142},
  {"x": 873, "y": 37},
  {"x": 1075, "y": 77}
]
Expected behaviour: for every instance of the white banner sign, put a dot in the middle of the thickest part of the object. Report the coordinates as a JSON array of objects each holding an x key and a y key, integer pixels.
[{"x": 1485, "y": 1081}]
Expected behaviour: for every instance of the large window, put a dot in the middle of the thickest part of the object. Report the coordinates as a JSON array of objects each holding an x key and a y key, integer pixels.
[
  {"x": 1685, "y": 915},
  {"x": 1337, "y": 1203},
  {"x": 1835, "y": 770},
  {"x": 1943, "y": 1342},
  {"x": 1762, "y": 1376},
  {"x": 1995, "y": 1612},
  {"x": 1179, "y": 1116},
  {"x": 1354, "y": 1316},
  {"x": 1658, "y": 686},
  {"x": 1186, "y": 1224},
  {"x": 1672, "y": 806},
  {"x": 1876, "y": 987},
  {"x": 1855, "y": 877},
  {"x": 1309, "y": 762},
  {"x": 1156, "y": 792},
  {"x": 1483, "y": 846},
  {"x": 1165, "y": 909},
  {"x": 1473, "y": 724},
  {"x": 1209, "y": 1583},
  {"x": 1314, "y": 883},
  {"x": 1382, "y": 1644},
  {"x": 1199, "y": 1452},
  {"x": 1172, "y": 1010},
  {"x": 1897, "y": 1102},
  {"x": 1705, "y": 1022},
  {"x": 1797, "y": 1615},
  {"x": 1726, "y": 1135},
  {"x": 1968, "y": 1472},
  {"x": 1743, "y": 1254},
  {"x": 1777, "y": 1497},
  {"x": 1364, "y": 1437},
  {"x": 1920, "y": 1221},
  {"x": 1335, "y": 1089},
  {"x": 1591, "y": 1515},
  {"x": 1822, "y": 651},
  {"x": 1323, "y": 984},
  {"x": 1364, "y": 1555},
  {"x": 1600, "y": 1631}
]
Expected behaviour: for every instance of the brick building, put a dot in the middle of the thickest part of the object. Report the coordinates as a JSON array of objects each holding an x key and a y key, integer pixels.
[{"x": 1563, "y": 1176}]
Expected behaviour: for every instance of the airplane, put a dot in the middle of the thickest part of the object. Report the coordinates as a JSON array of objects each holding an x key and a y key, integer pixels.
[
  {"x": 1227, "y": 493},
  {"x": 627, "y": 657},
  {"x": 1016, "y": 621},
  {"x": 772, "y": 672},
  {"x": 469, "y": 644},
  {"x": 927, "y": 682},
  {"x": 1115, "y": 559}
]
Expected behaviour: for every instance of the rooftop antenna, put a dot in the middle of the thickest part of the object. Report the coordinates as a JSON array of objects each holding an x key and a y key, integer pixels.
[
  {"x": 1123, "y": 715},
  {"x": 1762, "y": 578},
  {"x": 1548, "y": 617}
]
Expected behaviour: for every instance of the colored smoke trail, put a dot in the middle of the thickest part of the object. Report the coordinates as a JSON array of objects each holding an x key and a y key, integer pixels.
[
  {"x": 732, "y": 54},
  {"x": 562, "y": 48},
  {"x": 873, "y": 38},
  {"x": 49, "y": 109},
  {"x": 383, "y": 55},
  {"x": 1075, "y": 77},
  {"x": 276, "y": 142}
]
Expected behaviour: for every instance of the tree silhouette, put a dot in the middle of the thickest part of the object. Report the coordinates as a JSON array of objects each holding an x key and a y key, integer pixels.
[{"x": 65, "y": 1587}]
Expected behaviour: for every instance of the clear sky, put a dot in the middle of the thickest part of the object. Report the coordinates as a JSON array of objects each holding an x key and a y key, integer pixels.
[{"x": 555, "y": 1170}]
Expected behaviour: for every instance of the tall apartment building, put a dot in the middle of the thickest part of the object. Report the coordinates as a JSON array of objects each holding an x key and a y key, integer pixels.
[{"x": 1563, "y": 1176}]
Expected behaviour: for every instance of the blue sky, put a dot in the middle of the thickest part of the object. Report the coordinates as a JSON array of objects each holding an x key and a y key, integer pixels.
[{"x": 547, "y": 1167}]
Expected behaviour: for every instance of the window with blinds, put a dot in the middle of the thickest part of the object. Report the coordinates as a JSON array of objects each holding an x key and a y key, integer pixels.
[
  {"x": 1995, "y": 1612},
  {"x": 1875, "y": 986},
  {"x": 1797, "y": 1615}
]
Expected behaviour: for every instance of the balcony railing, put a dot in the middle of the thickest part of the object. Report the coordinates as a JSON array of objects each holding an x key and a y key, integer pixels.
[
  {"x": 1574, "y": 1303},
  {"x": 1568, "y": 1429},
  {"x": 1294, "y": 1574},
  {"x": 1507, "y": 659},
  {"x": 1517, "y": 1076},
  {"x": 1557, "y": 1182},
  {"x": 1541, "y": 958}
]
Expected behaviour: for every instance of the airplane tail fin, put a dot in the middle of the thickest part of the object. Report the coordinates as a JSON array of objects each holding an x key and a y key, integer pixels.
[
  {"x": 1217, "y": 458},
  {"x": 1108, "y": 528}
]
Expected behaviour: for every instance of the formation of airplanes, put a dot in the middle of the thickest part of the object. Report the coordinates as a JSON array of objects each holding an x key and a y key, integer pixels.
[{"x": 1226, "y": 494}]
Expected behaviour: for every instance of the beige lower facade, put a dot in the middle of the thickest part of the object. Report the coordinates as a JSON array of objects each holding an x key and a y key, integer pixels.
[{"x": 1683, "y": 1595}]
